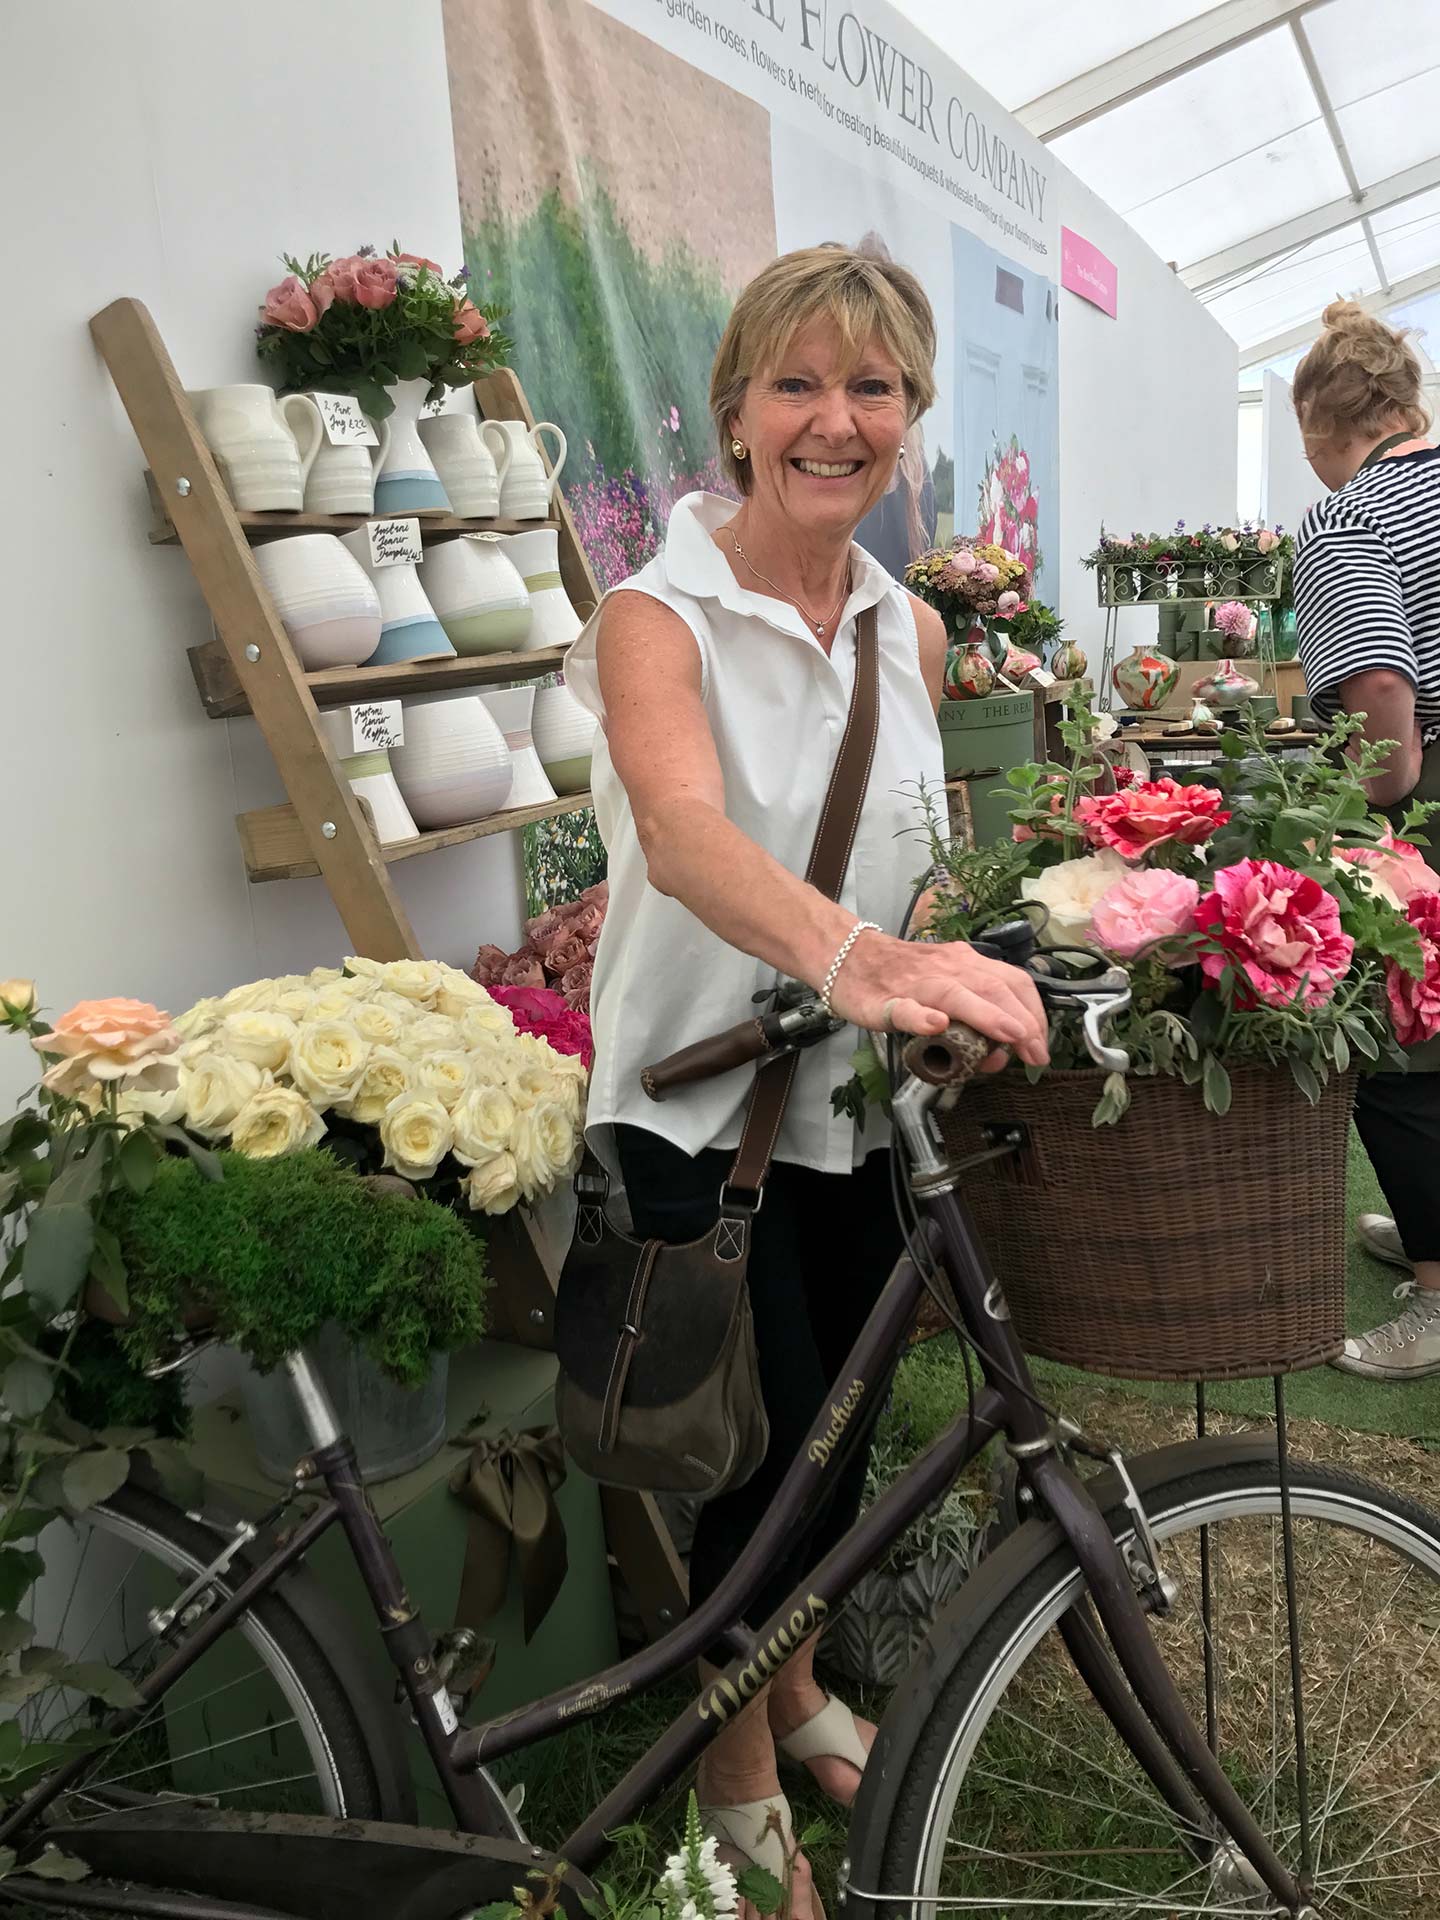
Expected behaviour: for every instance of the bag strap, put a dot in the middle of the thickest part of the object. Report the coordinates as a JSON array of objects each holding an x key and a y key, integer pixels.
[{"x": 829, "y": 859}]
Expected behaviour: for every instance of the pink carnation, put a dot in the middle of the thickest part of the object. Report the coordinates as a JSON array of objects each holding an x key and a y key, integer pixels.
[
  {"x": 1149, "y": 814},
  {"x": 1279, "y": 930},
  {"x": 540, "y": 1011},
  {"x": 1415, "y": 1004},
  {"x": 1145, "y": 907},
  {"x": 1397, "y": 867}
]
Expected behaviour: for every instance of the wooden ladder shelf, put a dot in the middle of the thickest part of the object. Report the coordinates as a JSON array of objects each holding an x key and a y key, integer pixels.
[{"x": 325, "y": 829}]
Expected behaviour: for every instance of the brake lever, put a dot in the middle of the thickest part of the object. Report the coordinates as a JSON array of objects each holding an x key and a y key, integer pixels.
[{"x": 1101, "y": 997}]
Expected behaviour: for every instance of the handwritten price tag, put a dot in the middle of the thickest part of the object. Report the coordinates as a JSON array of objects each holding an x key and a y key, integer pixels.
[
  {"x": 377, "y": 724},
  {"x": 345, "y": 425},
  {"x": 395, "y": 543}
]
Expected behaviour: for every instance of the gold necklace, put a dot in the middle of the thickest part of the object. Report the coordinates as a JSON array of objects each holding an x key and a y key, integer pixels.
[{"x": 809, "y": 618}]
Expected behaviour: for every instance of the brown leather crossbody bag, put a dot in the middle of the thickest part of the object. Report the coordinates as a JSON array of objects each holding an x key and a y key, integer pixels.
[{"x": 659, "y": 1387}]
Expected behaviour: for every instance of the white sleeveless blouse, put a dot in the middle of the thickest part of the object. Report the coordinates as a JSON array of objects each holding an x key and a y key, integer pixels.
[{"x": 777, "y": 707}]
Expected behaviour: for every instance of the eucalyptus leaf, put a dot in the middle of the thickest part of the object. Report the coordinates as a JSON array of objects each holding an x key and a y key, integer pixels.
[
  {"x": 1340, "y": 1051},
  {"x": 1303, "y": 1074},
  {"x": 1216, "y": 1083}
]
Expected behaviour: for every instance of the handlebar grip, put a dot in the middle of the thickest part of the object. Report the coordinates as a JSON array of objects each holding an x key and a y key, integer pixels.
[
  {"x": 717, "y": 1053},
  {"x": 947, "y": 1059}
]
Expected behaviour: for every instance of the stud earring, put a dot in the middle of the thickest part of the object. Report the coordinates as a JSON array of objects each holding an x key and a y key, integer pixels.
[{"x": 739, "y": 449}]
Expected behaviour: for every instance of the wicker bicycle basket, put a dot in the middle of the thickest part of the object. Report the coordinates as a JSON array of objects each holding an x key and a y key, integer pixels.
[{"x": 1176, "y": 1245}]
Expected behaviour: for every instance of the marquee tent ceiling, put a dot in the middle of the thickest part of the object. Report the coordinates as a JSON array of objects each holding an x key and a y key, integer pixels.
[{"x": 1280, "y": 152}]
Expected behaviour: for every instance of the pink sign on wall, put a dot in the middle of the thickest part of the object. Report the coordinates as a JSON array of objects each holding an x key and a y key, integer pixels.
[{"x": 1086, "y": 271}]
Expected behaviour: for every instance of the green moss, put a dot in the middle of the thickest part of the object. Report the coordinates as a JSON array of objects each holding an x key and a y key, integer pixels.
[{"x": 279, "y": 1247}]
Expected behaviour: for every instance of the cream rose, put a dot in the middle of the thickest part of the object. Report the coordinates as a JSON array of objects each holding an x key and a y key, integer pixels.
[
  {"x": 380, "y": 1024},
  {"x": 297, "y": 1004},
  {"x": 327, "y": 1060},
  {"x": 264, "y": 1038},
  {"x": 492, "y": 1187},
  {"x": 1069, "y": 891},
  {"x": 339, "y": 1000},
  {"x": 483, "y": 1121},
  {"x": 543, "y": 1143},
  {"x": 458, "y": 992},
  {"x": 446, "y": 1075},
  {"x": 166, "y": 1107},
  {"x": 386, "y": 1075},
  {"x": 431, "y": 1033},
  {"x": 417, "y": 980},
  {"x": 322, "y": 976},
  {"x": 19, "y": 996},
  {"x": 490, "y": 1022},
  {"x": 215, "y": 1086},
  {"x": 247, "y": 998},
  {"x": 416, "y": 1134},
  {"x": 200, "y": 1019},
  {"x": 527, "y": 1084},
  {"x": 276, "y": 1120}
]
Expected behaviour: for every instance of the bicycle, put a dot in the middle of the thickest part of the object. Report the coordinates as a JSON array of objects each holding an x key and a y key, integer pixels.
[{"x": 1202, "y": 1681}]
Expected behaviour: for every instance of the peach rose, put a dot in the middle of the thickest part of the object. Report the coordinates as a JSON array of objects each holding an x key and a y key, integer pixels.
[
  {"x": 375, "y": 283},
  {"x": 289, "y": 305},
  {"x": 337, "y": 282},
  {"x": 470, "y": 324},
  {"x": 1267, "y": 541},
  {"x": 114, "y": 1039}
]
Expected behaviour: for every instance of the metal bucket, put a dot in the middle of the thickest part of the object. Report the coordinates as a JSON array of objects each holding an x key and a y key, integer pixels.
[{"x": 394, "y": 1428}]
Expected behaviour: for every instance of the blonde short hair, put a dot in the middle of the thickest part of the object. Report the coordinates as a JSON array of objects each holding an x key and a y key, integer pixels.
[
  {"x": 1358, "y": 377},
  {"x": 863, "y": 296}
]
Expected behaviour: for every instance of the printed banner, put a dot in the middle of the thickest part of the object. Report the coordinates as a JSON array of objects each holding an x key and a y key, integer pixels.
[{"x": 1086, "y": 271}]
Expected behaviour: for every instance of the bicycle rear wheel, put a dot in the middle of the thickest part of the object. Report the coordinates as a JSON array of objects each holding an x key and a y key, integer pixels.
[{"x": 1017, "y": 1795}]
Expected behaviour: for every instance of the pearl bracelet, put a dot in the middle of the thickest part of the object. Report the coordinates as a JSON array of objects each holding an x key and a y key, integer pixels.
[{"x": 860, "y": 926}]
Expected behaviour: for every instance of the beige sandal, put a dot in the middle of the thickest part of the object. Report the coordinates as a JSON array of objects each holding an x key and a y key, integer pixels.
[
  {"x": 746, "y": 1827},
  {"x": 831, "y": 1734}
]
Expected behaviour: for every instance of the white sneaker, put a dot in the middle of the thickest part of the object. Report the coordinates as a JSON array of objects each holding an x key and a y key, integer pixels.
[
  {"x": 1403, "y": 1349},
  {"x": 1377, "y": 1235}
]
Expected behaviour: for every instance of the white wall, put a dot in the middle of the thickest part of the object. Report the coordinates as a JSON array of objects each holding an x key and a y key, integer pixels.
[
  {"x": 172, "y": 151},
  {"x": 1147, "y": 411},
  {"x": 1288, "y": 487}
]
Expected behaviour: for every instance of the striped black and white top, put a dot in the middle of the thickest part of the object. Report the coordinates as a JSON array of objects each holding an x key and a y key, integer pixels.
[{"x": 1367, "y": 584}]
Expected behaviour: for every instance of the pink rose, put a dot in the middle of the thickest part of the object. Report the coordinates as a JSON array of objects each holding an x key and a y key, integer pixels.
[
  {"x": 337, "y": 281},
  {"x": 1279, "y": 930},
  {"x": 1397, "y": 868},
  {"x": 490, "y": 964},
  {"x": 532, "y": 1005},
  {"x": 108, "y": 1040},
  {"x": 1145, "y": 907},
  {"x": 290, "y": 306},
  {"x": 1267, "y": 541},
  {"x": 470, "y": 324},
  {"x": 963, "y": 561},
  {"x": 1007, "y": 604},
  {"x": 375, "y": 283},
  {"x": 1149, "y": 814},
  {"x": 565, "y": 954},
  {"x": 523, "y": 969},
  {"x": 1415, "y": 1004},
  {"x": 987, "y": 573}
]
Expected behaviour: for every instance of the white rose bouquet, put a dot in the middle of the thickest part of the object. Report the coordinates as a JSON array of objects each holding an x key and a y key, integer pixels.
[{"x": 408, "y": 1065}]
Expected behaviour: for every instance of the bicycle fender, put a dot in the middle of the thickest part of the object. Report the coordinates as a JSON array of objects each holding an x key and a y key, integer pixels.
[{"x": 966, "y": 1615}]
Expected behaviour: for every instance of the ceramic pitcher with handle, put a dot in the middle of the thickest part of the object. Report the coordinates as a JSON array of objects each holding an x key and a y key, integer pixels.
[
  {"x": 465, "y": 464},
  {"x": 526, "y": 489},
  {"x": 342, "y": 476},
  {"x": 264, "y": 446}
]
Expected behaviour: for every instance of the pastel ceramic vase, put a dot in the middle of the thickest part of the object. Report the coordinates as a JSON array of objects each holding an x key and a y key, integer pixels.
[
  {"x": 564, "y": 737},
  {"x": 405, "y": 478},
  {"x": 342, "y": 477},
  {"x": 464, "y": 463},
  {"x": 371, "y": 777},
  {"x": 264, "y": 446},
  {"x": 409, "y": 629},
  {"x": 1227, "y": 689},
  {"x": 969, "y": 673},
  {"x": 536, "y": 554},
  {"x": 1018, "y": 662},
  {"x": 478, "y": 594},
  {"x": 326, "y": 601},
  {"x": 1069, "y": 662},
  {"x": 1146, "y": 679},
  {"x": 454, "y": 766},
  {"x": 526, "y": 489},
  {"x": 512, "y": 709}
]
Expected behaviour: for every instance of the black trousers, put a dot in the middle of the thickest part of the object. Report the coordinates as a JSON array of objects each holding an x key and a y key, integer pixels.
[
  {"x": 822, "y": 1248},
  {"x": 1398, "y": 1118}
]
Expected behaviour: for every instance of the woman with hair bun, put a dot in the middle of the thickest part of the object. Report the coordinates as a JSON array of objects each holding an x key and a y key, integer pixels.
[{"x": 1367, "y": 609}]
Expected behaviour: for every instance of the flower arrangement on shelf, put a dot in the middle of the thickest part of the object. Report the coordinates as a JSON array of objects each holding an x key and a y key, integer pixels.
[
  {"x": 1186, "y": 547},
  {"x": 971, "y": 582},
  {"x": 1009, "y": 512},
  {"x": 558, "y": 957},
  {"x": 1249, "y": 562},
  {"x": 1237, "y": 622},
  {"x": 360, "y": 324},
  {"x": 1267, "y": 920}
]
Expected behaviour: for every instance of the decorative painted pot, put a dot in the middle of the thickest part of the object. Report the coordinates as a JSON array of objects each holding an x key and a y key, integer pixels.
[
  {"x": 371, "y": 777},
  {"x": 326, "y": 602},
  {"x": 1146, "y": 679},
  {"x": 405, "y": 479},
  {"x": 1069, "y": 662},
  {"x": 342, "y": 478},
  {"x": 564, "y": 737},
  {"x": 409, "y": 629},
  {"x": 263, "y": 459},
  {"x": 454, "y": 766},
  {"x": 512, "y": 709},
  {"x": 968, "y": 672},
  {"x": 1227, "y": 688},
  {"x": 464, "y": 463},
  {"x": 478, "y": 594},
  {"x": 526, "y": 489},
  {"x": 1018, "y": 662},
  {"x": 536, "y": 554}
]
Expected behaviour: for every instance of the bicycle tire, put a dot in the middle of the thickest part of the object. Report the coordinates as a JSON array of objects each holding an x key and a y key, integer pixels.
[{"x": 941, "y": 1717}]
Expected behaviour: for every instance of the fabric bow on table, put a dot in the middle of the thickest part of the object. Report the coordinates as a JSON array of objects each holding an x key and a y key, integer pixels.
[{"x": 509, "y": 1484}]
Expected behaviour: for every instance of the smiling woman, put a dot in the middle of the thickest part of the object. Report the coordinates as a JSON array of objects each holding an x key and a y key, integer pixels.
[{"x": 723, "y": 676}]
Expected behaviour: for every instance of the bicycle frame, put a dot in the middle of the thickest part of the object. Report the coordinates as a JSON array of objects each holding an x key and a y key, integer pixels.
[{"x": 1137, "y": 1694}]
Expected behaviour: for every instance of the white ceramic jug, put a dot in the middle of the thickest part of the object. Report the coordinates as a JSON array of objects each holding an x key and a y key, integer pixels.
[
  {"x": 409, "y": 629},
  {"x": 511, "y": 708},
  {"x": 464, "y": 463},
  {"x": 526, "y": 489},
  {"x": 342, "y": 478},
  {"x": 405, "y": 478},
  {"x": 326, "y": 602},
  {"x": 536, "y": 554},
  {"x": 262, "y": 460},
  {"x": 478, "y": 594},
  {"x": 564, "y": 737},
  {"x": 454, "y": 766},
  {"x": 371, "y": 777}
]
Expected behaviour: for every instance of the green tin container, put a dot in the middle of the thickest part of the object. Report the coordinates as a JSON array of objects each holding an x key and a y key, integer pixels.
[{"x": 982, "y": 739}]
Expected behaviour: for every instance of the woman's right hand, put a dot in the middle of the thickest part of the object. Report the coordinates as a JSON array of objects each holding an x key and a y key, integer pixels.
[{"x": 919, "y": 986}]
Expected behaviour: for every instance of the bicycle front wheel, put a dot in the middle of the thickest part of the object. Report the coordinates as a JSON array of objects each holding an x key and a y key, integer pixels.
[{"x": 1018, "y": 1796}]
